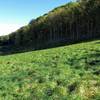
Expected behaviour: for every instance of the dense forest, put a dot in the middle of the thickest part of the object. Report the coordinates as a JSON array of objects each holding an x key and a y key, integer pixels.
[{"x": 72, "y": 22}]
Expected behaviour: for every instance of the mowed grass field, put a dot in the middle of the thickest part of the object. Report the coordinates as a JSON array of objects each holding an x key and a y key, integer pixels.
[{"x": 64, "y": 73}]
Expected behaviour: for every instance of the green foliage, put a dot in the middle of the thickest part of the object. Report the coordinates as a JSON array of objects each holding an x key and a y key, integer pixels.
[
  {"x": 65, "y": 73},
  {"x": 74, "y": 21}
]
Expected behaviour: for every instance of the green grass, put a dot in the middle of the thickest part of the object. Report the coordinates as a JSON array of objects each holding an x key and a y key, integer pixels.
[{"x": 64, "y": 73}]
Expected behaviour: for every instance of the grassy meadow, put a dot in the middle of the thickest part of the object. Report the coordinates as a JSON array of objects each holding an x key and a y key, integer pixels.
[{"x": 64, "y": 73}]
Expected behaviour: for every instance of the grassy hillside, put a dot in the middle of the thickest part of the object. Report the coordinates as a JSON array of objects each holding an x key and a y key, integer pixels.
[{"x": 64, "y": 73}]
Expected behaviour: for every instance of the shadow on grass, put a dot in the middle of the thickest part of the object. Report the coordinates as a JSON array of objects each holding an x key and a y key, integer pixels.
[
  {"x": 8, "y": 50},
  {"x": 97, "y": 43}
]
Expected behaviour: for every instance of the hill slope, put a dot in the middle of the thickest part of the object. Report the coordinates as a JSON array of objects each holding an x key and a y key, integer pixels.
[
  {"x": 72, "y": 22},
  {"x": 65, "y": 73}
]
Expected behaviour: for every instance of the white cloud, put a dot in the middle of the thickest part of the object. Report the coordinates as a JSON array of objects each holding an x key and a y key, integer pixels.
[{"x": 8, "y": 28}]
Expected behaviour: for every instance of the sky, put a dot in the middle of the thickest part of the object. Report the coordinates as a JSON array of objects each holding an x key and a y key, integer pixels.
[{"x": 17, "y": 13}]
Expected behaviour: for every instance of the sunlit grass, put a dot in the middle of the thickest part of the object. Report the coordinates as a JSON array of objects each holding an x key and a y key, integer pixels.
[{"x": 64, "y": 73}]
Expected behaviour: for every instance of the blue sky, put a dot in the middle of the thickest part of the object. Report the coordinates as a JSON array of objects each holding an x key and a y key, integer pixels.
[{"x": 17, "y": 13}]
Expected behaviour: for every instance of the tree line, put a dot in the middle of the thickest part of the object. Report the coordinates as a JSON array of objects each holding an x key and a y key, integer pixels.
[{"x": 74, "y": 21}]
